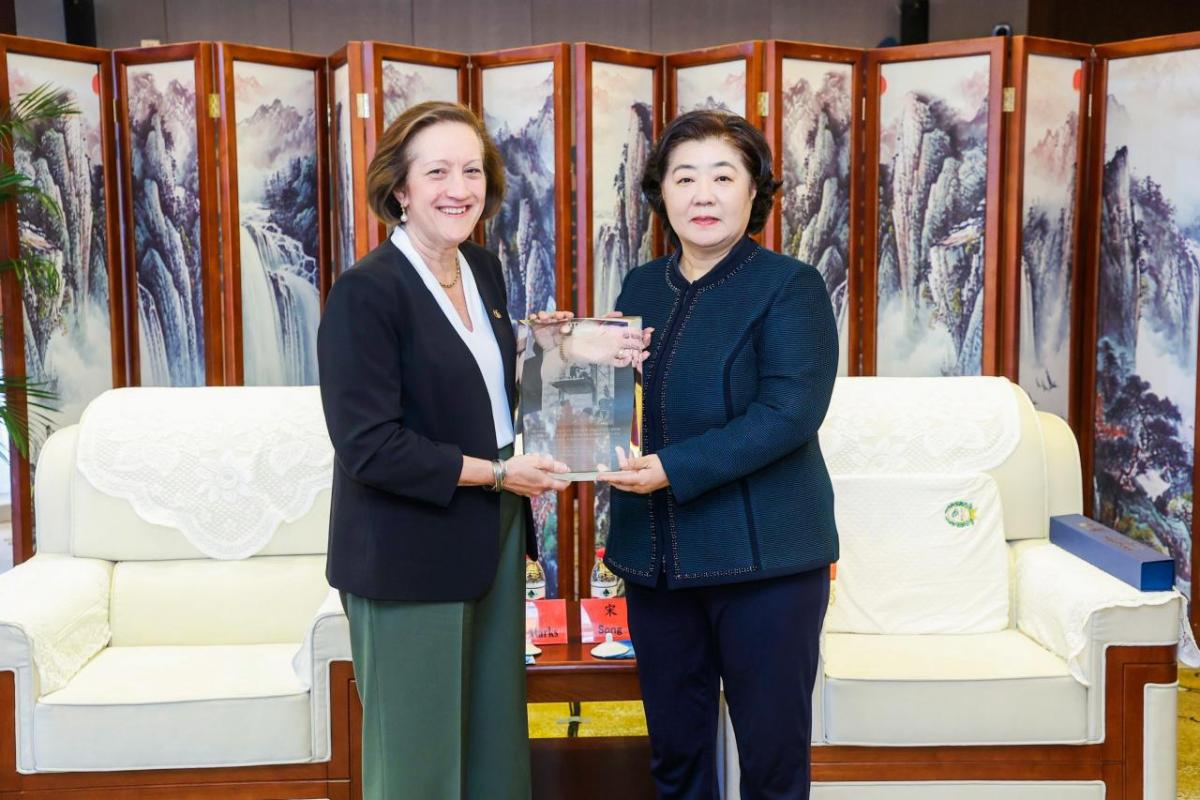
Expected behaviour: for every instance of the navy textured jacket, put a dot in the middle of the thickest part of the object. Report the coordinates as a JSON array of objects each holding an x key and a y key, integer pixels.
[{"x": 737, "y": 384}]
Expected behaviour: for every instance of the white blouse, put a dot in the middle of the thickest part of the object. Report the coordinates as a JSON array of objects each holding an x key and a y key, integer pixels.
[{"x": 480, "y": 340}]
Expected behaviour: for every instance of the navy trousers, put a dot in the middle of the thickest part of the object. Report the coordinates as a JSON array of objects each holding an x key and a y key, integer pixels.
[{"x": 762, "y": 639}]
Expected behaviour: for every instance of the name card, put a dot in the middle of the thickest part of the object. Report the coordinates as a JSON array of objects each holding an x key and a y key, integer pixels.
[
  {"x": 602, "y": 615},
  {"x": 546, "y": 621}
]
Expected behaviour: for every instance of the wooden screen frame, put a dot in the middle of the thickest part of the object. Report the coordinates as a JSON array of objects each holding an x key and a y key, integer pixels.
[
  {"x": 21, "y": 471},
  {"x": 374, "y": 54},
  {"x": 996, "y": 49},
  {"x": 587, "y": 54},
  {"x": 201, "y": 54},
  {"x": 351, "y": 57},
  {"x": 776, "y": 51},
  {"x": 560, "y": 55},
  {"x": 1014, "y": 196},
  {"x": 750, "y": 51},
  {"x": 227, "y": 54},
  {"x": 1156, "y": 45}
]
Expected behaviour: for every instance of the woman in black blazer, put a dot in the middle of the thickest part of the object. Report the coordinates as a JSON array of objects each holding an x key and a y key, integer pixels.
[{"x": 428, "y": 525}]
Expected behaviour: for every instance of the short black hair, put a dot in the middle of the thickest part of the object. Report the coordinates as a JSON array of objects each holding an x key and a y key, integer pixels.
[{"x": 713, "y": 124}]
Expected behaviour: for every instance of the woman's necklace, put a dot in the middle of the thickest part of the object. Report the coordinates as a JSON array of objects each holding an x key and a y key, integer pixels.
[{"x": 457, "y": 273}]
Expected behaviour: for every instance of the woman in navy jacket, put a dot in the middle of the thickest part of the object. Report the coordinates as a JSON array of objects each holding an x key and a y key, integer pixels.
[{"x": 723, "y": 529}]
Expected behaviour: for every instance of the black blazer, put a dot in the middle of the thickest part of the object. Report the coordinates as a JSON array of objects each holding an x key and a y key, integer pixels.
[{"x": 404, "y": 402}]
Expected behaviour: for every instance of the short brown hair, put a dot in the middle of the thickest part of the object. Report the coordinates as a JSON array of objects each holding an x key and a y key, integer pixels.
[
  {"x": 388, "y": 170},
  {"x": 712, "y": 124}
]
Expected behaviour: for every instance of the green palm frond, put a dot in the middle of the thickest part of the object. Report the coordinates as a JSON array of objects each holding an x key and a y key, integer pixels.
[
  {"x": 41, "y": 103},
  {"x": 35, "y": 270},
  {"x": 14, "y": 183},
  {"x": 39, "y": 401}
]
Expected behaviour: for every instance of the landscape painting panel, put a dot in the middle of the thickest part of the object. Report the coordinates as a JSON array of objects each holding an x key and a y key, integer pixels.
[
  {"x": 1048, "y": 221},
  {"x": 275, "y": 109},
  {"x": 165, "y": 190},
  {"x": 67, "y": 327},
  {"x": 933, "y": 159},
  {"x": 405, "y": 84},
  {"x": 622, "y": 237},
  {"x": 815, "y": 198},
  {"x": 518, "y": 110},
  {"x": 1146, "y": 327},
  {"x": 344, "y": 155},
  {"x": 721, "y": 86}
]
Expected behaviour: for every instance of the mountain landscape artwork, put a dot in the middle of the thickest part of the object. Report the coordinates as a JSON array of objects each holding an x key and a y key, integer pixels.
[
  {"x": 815, "y": 197},
  {"x": 1147, "y": 314},
  {"x": 622, "y": 237},
  {"x": 275, "y": 109},
  {"x": 1047, "y": 228},
  {"x": 166, "y": 223},
  {"x": 406, "y": 83},
  {"x": 68, "y": 344},
  {"x": 344, "y": 158},
  {"x": 933, "y": 165},
  {"x": 721, "y": 86},
  {"x": 518, "y": 110}
]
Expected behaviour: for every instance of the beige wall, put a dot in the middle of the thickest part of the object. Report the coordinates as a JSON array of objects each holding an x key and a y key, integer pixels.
[{"x": 322, "y": 26}]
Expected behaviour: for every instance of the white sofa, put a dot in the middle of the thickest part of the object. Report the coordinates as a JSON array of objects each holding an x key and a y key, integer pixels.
[
  {"x": 130, "y": 650},
  {"x": 1015, "y": 712}
]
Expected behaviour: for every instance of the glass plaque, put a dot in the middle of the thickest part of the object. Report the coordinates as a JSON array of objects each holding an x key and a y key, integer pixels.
[{"x": 579, "y": 392}]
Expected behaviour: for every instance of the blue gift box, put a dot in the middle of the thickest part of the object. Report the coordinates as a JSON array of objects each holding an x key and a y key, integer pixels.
[{"x": 1139, "y": 565}]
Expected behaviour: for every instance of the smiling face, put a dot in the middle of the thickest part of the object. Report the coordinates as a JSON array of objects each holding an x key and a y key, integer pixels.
[
  {"x": 708, "y": 194},
  {"x": 444, "y": 192}
]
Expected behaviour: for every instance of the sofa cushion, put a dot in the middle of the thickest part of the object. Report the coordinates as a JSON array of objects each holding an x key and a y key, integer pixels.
[
  {"x": 166, "y": 707},
  {"x": 259, "y": 600},
  {"x": 992, "y": 688},
  {"x": 920, "y": 554}
]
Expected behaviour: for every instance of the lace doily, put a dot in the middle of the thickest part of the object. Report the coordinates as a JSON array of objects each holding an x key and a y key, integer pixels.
[
  {"x": 222, "y": 465},
  {"x": 932, "y": 425},
  {"x": 1059, "y": 594}
]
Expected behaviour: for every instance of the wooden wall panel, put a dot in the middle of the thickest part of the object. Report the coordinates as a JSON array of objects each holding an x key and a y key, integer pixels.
[
  {"x": 472, "y": 25},
  {"x": 262, "y": 22},
  {"x": 316, "y": 30}
]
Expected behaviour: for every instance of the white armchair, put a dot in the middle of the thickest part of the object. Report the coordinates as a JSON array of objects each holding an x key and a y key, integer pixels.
[
  {"x": 1070, "y": 696},
  {"x": 130, "y": 651}
]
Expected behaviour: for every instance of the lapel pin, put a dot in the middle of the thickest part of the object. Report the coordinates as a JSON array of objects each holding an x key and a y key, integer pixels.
[{"x": 495, "y": 313}]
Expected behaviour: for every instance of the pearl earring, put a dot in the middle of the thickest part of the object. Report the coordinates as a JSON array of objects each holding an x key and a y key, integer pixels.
[{"x": 403, "y": 215}]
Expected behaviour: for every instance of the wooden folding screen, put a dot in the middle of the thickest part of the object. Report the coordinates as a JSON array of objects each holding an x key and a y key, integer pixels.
[
  {"x": 931, "y": 284},
  {"x": 524, "y": 98},
  {"x": 1043, "y": 202},
  {"x": 1140, "y": 376},
  {"x": 166, "y": 118},
  {"x": 618, "y": 115},
  {"x": 814, "y": 126},
  {"x": 63, "y": 323},
  {"x": 728, "y": 77},
  {"x": 274, "y": 213}
]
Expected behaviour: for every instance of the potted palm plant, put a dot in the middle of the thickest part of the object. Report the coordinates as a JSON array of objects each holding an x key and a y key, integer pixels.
[{"x": 22, "y": 399}]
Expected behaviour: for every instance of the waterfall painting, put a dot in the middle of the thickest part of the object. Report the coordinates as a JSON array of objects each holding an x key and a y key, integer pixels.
[
  {"x": 815, "y": 199},
  {"x": 721, "y": 86},
  {"x": 622, "y": 131},
  {"x": 1149, "y": 274},
  {"x": 932, "y": 215},
  {"x": 67, "y": 323},
  {"x": 164, "y": 172},
  {"x": 524, "y": 107},
  {"x": 277, "y": 221},
  {"x": 343, "y": 176},
  {"x": 1047, "y": 257},
  {"x": 518, "y": 109},
  {"x": 406, "y": 83}
]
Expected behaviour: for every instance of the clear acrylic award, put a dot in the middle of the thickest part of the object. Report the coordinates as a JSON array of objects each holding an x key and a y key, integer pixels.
[{"x": 580, "y": 392}]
